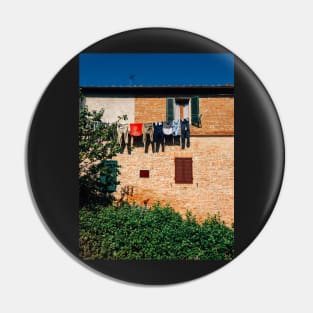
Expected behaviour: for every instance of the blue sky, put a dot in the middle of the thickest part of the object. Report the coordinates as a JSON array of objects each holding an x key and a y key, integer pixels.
[{"x": 155, "y": 69}]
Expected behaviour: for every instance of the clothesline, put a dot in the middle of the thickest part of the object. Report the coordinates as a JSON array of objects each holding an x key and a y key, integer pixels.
[
  {"x": 96, "y": 123},
  {"x": 155, "y": 132}
]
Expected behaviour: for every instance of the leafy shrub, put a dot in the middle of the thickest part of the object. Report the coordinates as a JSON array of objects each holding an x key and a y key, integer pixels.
[
  {"x": 97, "y": 143},
  {"x": 160, "y": 233}
]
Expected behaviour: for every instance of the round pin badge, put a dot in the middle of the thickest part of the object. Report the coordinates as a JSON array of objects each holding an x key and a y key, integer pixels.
[{"x": 155, "y": 156}]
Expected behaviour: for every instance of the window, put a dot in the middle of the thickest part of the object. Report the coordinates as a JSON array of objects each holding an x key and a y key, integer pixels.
[
  {"x": 184, "y": 107},
  {"x": 144, "y": 173},
  {"x": 183, "y": 171},
  {"x": 181, "y": 108}
]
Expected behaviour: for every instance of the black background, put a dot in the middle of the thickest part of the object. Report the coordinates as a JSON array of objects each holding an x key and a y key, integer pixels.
[{"x": 53, "y": 155}]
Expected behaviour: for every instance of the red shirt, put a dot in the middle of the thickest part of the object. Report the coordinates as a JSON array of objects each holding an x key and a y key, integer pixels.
[{"x": 135, "y": 129}]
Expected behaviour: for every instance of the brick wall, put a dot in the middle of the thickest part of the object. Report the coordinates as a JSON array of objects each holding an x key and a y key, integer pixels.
[
  {"x": 217, "y": 114},
  {"x": 212, "y": 190},
  {"x": 217, "y": 117},
  {"x": 150, "y": 110}
]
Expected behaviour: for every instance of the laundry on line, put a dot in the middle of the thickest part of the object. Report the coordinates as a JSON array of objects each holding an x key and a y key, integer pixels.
[{"x": 154, "y": 133}]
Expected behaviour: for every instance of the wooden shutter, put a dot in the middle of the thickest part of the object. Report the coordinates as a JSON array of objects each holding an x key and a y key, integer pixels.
[
  {"x": 170, "y": 109},
  {"x": 110, "y": 180},
  {"x": 183, "y": 171},
  {"x": 195, "y": 110}
]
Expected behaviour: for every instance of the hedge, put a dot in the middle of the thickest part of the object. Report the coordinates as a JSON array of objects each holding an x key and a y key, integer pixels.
[{"x": 159, "y": 233}]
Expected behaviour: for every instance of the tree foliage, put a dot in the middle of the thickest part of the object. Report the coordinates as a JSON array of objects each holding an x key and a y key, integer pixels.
[{"x": 97, "y": 143}]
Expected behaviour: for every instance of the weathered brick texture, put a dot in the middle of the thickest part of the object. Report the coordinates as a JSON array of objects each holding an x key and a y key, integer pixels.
[
  {"x": 212, "y": 190},
  {"x": 217, "y": 114},
  {"x": 150, "y": 110},
  {"x": 217, "y": 117}
]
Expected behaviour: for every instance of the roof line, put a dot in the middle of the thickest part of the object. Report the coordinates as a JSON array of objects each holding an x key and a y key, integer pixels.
[{"x": 162, "y": 86}]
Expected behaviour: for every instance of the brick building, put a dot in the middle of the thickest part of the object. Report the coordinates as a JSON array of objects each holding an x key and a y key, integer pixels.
[{"x": 199, "y": 178}]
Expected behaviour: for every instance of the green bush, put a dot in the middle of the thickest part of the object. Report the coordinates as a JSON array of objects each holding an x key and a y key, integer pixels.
[
  {"x": 160, "y": 233},
  {"x": 97, "y": 144}
]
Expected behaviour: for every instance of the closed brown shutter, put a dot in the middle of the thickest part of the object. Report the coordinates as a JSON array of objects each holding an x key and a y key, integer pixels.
[{"x": 183, "y": 170}]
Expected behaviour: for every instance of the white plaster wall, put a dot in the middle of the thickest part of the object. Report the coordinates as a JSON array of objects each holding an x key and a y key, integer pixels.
[{"x": 113, "y": 107}]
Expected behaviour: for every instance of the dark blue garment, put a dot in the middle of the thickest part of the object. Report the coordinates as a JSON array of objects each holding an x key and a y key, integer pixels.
[
  {"x": 158, "y": 136},
  {"x": 185, "y": 133}
]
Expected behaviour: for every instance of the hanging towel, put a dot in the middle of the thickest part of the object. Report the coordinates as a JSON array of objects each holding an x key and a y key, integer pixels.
[
  {"x": 167, "y": 128},
  {"x": 135, "y": 129},
  {"x": 176, "y": 128}
]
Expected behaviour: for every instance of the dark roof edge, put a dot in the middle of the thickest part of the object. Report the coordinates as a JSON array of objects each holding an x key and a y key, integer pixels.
[{"x": 161, "y": 90}]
